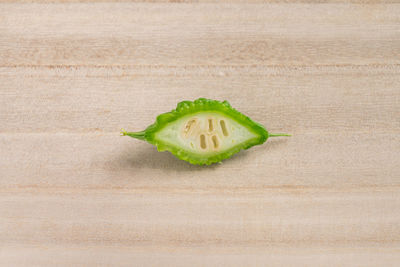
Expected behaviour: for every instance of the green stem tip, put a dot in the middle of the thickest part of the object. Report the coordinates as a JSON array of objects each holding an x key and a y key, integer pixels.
[
  {"x": 137, "y": 135},
  {"x": 123, "y": 132},
  {"x": 278, "y": 134}
]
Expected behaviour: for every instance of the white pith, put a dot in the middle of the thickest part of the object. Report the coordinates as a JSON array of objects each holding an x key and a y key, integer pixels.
[{"x": 194, "y": 133}]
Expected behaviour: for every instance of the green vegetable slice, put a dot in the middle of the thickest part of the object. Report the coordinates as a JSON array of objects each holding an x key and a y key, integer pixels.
[{"x": 204, "y": 131}]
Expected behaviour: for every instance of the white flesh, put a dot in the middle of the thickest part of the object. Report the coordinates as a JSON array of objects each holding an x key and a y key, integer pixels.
[{"x": 205, "y": 132}]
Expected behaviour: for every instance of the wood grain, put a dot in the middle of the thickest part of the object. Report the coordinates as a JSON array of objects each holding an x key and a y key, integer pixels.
[{"x": 75, "y": 193}]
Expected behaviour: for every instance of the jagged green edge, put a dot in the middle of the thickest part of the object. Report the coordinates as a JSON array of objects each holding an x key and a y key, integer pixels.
[{"x": 202, "y": 104}]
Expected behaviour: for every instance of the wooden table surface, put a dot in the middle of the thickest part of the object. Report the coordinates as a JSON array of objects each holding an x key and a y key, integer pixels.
[{"x": 75, "y": 193}]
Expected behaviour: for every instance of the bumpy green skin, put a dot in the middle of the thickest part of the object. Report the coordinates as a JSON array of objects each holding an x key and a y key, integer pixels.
[{"x": 188, "y": 107}]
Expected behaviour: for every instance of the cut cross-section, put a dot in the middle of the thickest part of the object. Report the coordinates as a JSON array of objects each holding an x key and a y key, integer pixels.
[{"x": 205, "y": 132}]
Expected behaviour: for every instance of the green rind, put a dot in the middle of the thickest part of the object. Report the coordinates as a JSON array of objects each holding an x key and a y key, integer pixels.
[{"x": 202, "y": 104}]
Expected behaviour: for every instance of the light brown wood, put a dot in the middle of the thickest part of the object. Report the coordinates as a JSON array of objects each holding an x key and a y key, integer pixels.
[{"x": 75, "y": 193}]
